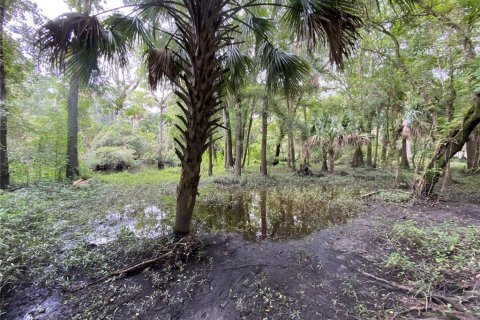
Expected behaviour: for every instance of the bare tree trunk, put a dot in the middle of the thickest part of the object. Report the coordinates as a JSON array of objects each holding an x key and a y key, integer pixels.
[
  {"x": 160, "y": 163},
  {"x": 239, "y": 151},
  {"x": 471, "y": 148},
  {"x": 369, "y": 143},
  {"x": 263, "y": 161},
  {"x": 404, "y": 157},
  {"x": 4, "y": 170},
  {"x": 72, "y": 138},
  {"x": 291, "y": 142},
  {"x": 247, "y": 142},
  {"x": 228, "y": 139},
  {"x": 375, "y": 157},
  {"x": 210, "y": 156}
]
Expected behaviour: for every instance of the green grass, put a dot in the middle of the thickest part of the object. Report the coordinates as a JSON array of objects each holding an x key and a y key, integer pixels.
[{"x": 432, "y": 255}]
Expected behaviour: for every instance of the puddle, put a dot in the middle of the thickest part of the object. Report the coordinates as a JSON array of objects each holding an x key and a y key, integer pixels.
[
  {"x": 277, "y": 213},
  {"x": 149, "y": 223}
]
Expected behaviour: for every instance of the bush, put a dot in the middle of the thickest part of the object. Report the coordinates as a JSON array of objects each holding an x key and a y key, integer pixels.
[
  {"x": 141, "y": 145},
  {"x": 112, "y": 158}
]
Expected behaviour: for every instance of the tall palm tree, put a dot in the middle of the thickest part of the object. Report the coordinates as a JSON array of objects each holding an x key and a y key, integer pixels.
[
  {"x": 74, "y": 43},
  {"x": 195, "y": 56}
]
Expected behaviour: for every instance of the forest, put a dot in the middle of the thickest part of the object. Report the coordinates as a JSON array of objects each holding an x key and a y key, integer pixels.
[{"x": 239, "y": 159}]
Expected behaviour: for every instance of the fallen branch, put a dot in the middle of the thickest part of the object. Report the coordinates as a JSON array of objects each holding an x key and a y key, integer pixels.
[
  {"x": 369, "y": 194},
  {"x": 132, "y": 268},
  {"x": 438, "y": 299},
  {"x": 419, "y": 310}
]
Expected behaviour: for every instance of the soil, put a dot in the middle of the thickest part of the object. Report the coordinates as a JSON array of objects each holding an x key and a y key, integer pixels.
[{"x": 318, "y": 277}]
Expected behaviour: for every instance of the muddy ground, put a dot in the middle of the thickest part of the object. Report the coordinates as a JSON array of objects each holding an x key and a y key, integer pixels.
[
  {"x": 318, "y": 277},
  {"x": 335, "y": 273}
]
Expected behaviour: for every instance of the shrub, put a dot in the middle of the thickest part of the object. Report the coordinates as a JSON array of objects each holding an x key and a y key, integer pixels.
[{"x": 111, "y": 158}]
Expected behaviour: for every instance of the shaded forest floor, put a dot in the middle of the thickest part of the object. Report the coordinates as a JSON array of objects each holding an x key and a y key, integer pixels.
[{"x": 385, "y": 256}]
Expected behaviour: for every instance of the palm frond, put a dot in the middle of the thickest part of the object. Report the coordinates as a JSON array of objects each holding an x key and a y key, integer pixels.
[
  {"x": 161, "y": 65},
  {"x": 328, "y": 22},
  {"x": 72, "y": 43},
  {"x": 285, "y": 71},
  {"x": 131, "y": 28},
  {"x": 238, "y": 64}
]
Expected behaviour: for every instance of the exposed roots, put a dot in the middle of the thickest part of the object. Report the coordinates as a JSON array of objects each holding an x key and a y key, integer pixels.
[{"x": 173, "y": 253}]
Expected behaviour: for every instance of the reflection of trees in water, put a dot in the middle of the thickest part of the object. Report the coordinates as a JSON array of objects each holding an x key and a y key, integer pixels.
[{"x": 271, "y": 213}]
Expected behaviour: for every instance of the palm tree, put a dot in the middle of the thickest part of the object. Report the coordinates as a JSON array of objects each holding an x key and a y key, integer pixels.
[
  {"x": 74, "y": 43},
  {"x": 194, "y": 59},
  {"x": 328, "y": 133}
]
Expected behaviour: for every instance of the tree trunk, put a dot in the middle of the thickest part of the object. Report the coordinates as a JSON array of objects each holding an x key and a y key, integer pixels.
[
  {"x": 200, "y": 103},
  {"x": 404, "y": 157},
  {"x": 160, "y": 163},
  {"x": 357, "y": 160},
  {"x": 210, "y": 156},
  {"x": 369, "y": 143},
  {"x": 4, "y": 170},
  {"x": 330, "y": 160},
  {"x": 324, "y": 159},
  {"x": 238, "y": 151},
  {"x": 247, "y": 142},
  {"x": 263, "y": 155},
  {"x": 375, "y": 157},
  {"x": 228, "y": 139},
  {"x": 291, "y": 143},
  {"x": 448, "y": 148},
  {"x": 471, "y": 148},
  {"x": 72, "y": 138}
]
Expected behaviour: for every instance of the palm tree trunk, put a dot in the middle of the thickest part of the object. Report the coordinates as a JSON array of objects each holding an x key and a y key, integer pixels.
[
  {"x": 187, "y": 190},
  {"x": 375, "y": 157},
  {"x": 369, "y": 143},
  {"x": 239, "y": 151},
  {"x": 72, "y": 138},
  {"x": 324, "y": 159},
  {"x": 263, "y": 161},
  {"x": 291, "y": 143},
  {"x": 404, "y": 157},
  {"x": 4, "y": 170},
  {"x": 228, "y": 139},
  {"x": 160, "y": 163},
  {"x": 358, "y": 157},
  {"x": 330, "y": 160},
  {"x": 210, "y": 156},
  {"x": 247, "y": 142},
  {"x": 200, "y": 101}
]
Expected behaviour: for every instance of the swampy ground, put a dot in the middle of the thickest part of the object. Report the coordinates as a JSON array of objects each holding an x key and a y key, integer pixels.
[{"x": 344, "y": 246}]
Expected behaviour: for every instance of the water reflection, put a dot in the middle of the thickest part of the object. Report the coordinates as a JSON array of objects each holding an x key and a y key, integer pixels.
[{"x": 278, "y": 213}]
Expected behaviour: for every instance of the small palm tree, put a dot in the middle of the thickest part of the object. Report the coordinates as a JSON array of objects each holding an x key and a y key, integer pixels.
[{"x": 329, "y": 134}]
